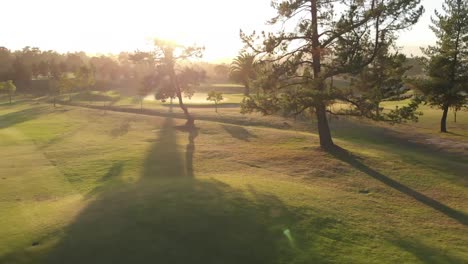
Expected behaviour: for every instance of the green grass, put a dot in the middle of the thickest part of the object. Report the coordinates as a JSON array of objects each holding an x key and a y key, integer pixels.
[
  {"x": 198, "y": 100},
  {"x": 92, "y": 186},
  {"x": 226, "y": 88},
  {"x": 429, "y": 122}
]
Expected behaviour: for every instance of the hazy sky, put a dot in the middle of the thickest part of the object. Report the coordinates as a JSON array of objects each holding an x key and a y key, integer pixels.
[{"x": 103, "y": 26}]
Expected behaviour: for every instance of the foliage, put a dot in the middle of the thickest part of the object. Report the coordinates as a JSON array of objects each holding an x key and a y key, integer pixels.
[
  {"x": 61, "y": 85},
  {"x": 124, "y": 71},
  {"x": 84, "y": 78},
  {"x": 221, "y": 72},
  {"x": 29, "y": 64},
  {"x": 215, "y": 97},
  {"x": 168, "y": 75},
  {"x": 243, "y": 70},
  {"x": 144, "y": 89},
  {"x": 446, "y": 64},
  {"x": 382, "y": 80},
  {"x": 9, "y": 87},
  {"x": 302, "y": 60}
]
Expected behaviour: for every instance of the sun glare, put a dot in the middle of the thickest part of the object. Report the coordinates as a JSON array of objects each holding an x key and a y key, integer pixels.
[{"x": 122, "y": 25}]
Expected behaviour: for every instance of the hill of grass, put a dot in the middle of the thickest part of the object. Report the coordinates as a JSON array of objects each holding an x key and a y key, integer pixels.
[{"x": 85, "y": 185}]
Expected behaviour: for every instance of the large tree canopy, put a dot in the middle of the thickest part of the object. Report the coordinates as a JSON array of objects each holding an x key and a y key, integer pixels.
[
  {"x": 169, "y": 72},
  {"x": 318, "y": 40}
]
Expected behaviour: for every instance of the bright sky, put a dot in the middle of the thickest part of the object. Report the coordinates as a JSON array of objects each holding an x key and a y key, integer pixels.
[{"x": 103, "y": 26}]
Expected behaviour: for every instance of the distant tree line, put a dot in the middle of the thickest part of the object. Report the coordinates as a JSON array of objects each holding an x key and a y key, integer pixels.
[
  {"x": 34, "y": 70},
  {"x": 30, "y": 64}
]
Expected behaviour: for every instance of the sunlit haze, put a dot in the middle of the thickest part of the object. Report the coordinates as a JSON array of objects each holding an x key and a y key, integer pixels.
[{"x": 123, "y": 25}]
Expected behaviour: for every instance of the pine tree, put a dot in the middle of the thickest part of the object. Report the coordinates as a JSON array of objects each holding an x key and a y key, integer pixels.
[
  {"x": 327, "y": 38},
  {"x": 382, "y": 80},
  {"x": 446, "y": 65}
]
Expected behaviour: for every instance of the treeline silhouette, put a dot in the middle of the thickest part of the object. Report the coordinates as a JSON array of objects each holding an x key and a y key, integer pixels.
[{"x": 33, "y": 69}]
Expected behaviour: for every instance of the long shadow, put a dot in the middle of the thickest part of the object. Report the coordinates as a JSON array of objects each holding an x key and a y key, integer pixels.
[
  {"x": 352, "y": 160},
  {"x": 225, "y": 105},
  {"x": 164, "y": 158},
  {"x": 190, "y": 150},
  {"x": 242, "y": 121},
  {"x": 170, "y": 216},
  {"x": 114, "y": 171},
  {"x": 18, "y": 117},
  {"x": 432, "y": 156},
  {"x": 239, "y": 132},
  {"x": 426, "y": 253}
]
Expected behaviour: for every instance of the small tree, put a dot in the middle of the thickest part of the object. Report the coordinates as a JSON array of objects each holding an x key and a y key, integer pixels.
[
  {"x": 447, "y": 62},
  {"x": 10, "y": 88},
  {"x": 84, "y": 80},
  {"x": 145, "y": 89},
  {"x": 216, "y": 97},
  {"x": 60, "y": 86},
  {"x": 461, "y": 105}
]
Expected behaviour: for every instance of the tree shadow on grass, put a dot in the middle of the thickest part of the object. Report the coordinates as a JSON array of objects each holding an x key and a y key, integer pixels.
[
  {"x": 239, "y": 132},
  {"x": 169, "y": 216},
  {"x": 92, "y": 97},
  {"x": 18, "y": 117},
  {"x": 433, "y": 156},
  {"x": 455, "y": 134},
  {"x": 426, "y": 253},
  {"x": 114, "y": 171},
  {"x": 221, "y": 105},
  {"x": 352, "y": 160}
]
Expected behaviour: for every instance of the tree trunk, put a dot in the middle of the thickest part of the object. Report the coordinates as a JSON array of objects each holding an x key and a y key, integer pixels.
[
  {"x": 246, "y": 89},
  {"x": 190, "y": 120},
  {"x": 443, "y": 121},
  {"x": 10, "y": 98},
  {"x": 216, "y": 107},
  {"x": 326, "y": 141},
  {"x": 455, "y": 115},
  {"x": 377, "y": 110},
  {"x": 54, "y": 101}
]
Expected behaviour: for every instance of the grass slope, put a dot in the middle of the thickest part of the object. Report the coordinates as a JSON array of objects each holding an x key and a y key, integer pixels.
[{"x": 90, "y": 186}]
